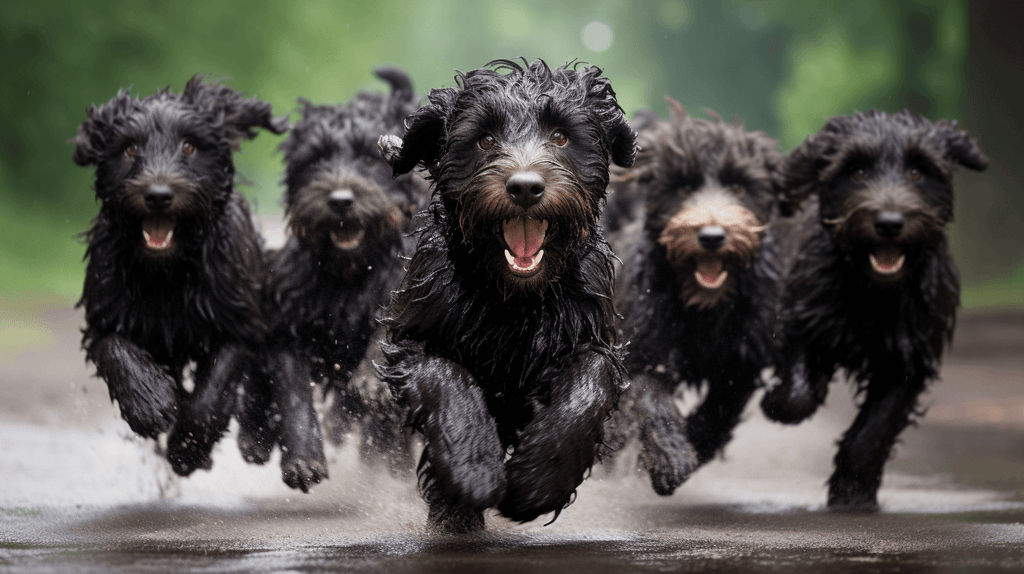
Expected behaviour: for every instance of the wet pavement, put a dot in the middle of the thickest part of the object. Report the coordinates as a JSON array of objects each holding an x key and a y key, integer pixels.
[{"x": 79, "y": 493}]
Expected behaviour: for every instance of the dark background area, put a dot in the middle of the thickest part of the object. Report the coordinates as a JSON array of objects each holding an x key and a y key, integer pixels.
[{"x": 783, "y": 67}]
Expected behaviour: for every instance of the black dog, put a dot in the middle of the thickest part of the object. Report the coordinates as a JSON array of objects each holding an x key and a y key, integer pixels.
[
  {"x": 174, "y": 260},
  {"x": 696, "y": 287},
  {"x": 501, "y": 341},
  {"x": 873, "y": 289},
  {"x": 325, "y": 288}
]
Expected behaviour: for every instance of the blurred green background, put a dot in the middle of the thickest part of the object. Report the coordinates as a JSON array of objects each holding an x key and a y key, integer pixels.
[{"x": 783, "y": 67}]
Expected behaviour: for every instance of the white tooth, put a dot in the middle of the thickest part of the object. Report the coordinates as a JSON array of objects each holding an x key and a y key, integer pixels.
[
  {"x": 508, "y": 257},
  {"x": 146, "y": 235},
  {"x": 170, "y": 234},
  {"x": 537, "y": 258}
]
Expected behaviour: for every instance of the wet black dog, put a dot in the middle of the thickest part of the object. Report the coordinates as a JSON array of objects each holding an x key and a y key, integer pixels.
[
  {"x": 325, "y": 289},
  {"x": 501, "y": 341},
  {"x": 174, "y": 260},
  {"x": 697, "y": 286},
  {"x": 873, "y": 289}
]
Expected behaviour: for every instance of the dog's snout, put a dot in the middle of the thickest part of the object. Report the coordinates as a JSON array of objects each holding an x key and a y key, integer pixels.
[
  {"x": 889, "y": 224},
  {"x": 341, "y": 200},
  {"x": 525, "y": 187},
  {"x": 711, "y": 237},
  {"x": 159, "y": 197}
]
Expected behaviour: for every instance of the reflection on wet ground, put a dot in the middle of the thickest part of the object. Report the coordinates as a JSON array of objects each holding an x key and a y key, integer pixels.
[{"x": 79, "y": 494}]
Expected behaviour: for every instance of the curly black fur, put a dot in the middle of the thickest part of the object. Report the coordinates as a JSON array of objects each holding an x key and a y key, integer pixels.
[
  {"x": 872, "y": 288},
  {"x": 189, "y": 290},
  {"x": 488, "y": 359},
  {"x": 349, "y": 223},
  {"x": 693, "y": 178}
]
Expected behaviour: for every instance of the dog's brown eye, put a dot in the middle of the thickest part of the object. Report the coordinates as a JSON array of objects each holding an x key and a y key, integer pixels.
[
  {"x": 486, "y": 142},
  {"x": 187, "y": 148},
  {"x": 914, "y": 174},
  {"x": 559, "y": 138},
  {"x": 131, "y": 151},
  {"x": 859, "y": 175}
]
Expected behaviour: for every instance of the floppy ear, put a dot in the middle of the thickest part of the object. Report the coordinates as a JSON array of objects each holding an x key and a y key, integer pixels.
[
  {"x": 801, "y": 170},
  {"x": 964, "y": 150},
  {"x": 424, "y": 131},
  {"x": 239, "y": 115},
  {"x": 621, "y": 140},
  {"x": 619, "y": 137},
  {"x": 91, "y": 140}
]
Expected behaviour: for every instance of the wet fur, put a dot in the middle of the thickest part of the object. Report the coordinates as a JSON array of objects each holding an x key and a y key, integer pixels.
[
  {"x": 887, "y": 334},
  {"x": 489, "y": 365},
  {"x": 148, "y": 315}
]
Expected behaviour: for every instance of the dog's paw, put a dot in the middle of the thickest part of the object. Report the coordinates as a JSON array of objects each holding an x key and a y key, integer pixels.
[
  {"x": 669, "y": 468},
  {"x": 187, "y": 455},
  {"x": 148, "y": 403},
  {"x": 846, "y": 494},
  {"x": 788, "y": 403},
  {"x": 302, "y": 473},
  {"x": 255, "y": 444},
  {"x": 538, "y": 486}
]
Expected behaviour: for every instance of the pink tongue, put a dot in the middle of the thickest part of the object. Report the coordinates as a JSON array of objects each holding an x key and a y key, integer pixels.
[
  {"x": 158, "y": 229},
  {"x": 524, "y": 238}
]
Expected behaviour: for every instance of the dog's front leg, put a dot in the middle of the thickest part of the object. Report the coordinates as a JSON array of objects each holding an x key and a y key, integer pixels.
[
  {"x": 302, "y": 450},
  {"x": 206, "y": 412},
  {"x": 461, "y": 470},
  {"x": 802, "y": 388},
  {"x": 144, "y": 390},
  {"x": 665, "y": 449},
  {"x": 710, "y": 426},
  {"x": 888, "y": 406},
  {"x": 558, "y": 446}
]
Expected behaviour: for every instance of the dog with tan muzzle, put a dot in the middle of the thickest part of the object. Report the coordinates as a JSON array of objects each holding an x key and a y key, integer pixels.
[{"x": 696, "y": 287}]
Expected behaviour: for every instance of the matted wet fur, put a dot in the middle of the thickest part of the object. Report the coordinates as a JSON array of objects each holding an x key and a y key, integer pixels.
[
  {"x": 697, "y": 285},
  {"x": 501, "y": 341},
  {"x": 174, "y": 263},
  {"x": 872, "y": 289},
  {"x": 349, "y": 224}
]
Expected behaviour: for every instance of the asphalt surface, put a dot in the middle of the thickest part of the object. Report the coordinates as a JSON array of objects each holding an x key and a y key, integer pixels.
[{"x": 79, "y": 493}]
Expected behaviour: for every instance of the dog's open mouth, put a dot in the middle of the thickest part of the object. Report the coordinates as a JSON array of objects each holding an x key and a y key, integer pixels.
[
  {"x": 524, "y": 238},
  {"x": 348, "y": 235},
  {"x": 887, "y": 261},
  {"x": 158, "y": 232},
  {"x": 711, "y": 273}
]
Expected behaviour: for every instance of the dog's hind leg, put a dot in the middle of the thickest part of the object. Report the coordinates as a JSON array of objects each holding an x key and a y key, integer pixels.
[
  {"x": 145, "y": 391},
  {"x": 866, "y": 446},
  {"x": 558, "y": 446},
  {"x": 461, "y": 470},
  {"x": 665, "y": 452},
  {"x": 710, "y": 426},
  {"x": 302, "y": 450},
  {"x": 206, "y": 412}
]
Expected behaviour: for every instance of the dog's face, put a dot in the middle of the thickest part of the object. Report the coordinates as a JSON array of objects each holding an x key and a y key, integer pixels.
[
  {"x": 520, "y": 162},
  {"x": 884, "y": 185},
  {"x": 710, "y": 188},
  {"x": 341, "y": 198},
  {"x": 163, "y": 163}
]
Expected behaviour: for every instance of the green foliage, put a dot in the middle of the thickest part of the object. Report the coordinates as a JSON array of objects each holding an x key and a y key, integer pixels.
[{"x": 783, "y": 67}]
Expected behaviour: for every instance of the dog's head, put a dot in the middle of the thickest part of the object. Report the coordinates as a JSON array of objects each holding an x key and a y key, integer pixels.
[
  {"x": 709, "y": 189},
  {"x": 519, "y": 161},
  {"x": 884, "y": 184},
  {"x": 163, "y": 162},
  {"x": 341, "y": 198}
]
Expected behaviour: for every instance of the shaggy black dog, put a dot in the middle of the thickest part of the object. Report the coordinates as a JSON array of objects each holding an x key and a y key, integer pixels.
[
  {"x": 174, "y": 260},
  {"x": 873, "y": 289},
  {"x": 697, "y": 286},
  {"x": 501, "y": 340},
  {"x": 325, "y": 289}
]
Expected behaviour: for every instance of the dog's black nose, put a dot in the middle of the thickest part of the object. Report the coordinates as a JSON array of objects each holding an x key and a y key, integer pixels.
[
  {"x": 341, "y": 200},
  {"x": 159, "y": 196},
  {"x": 525, "y": 187},
  {"x": 711, "y": 237},
  {"x": 889, "y": 224}
]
